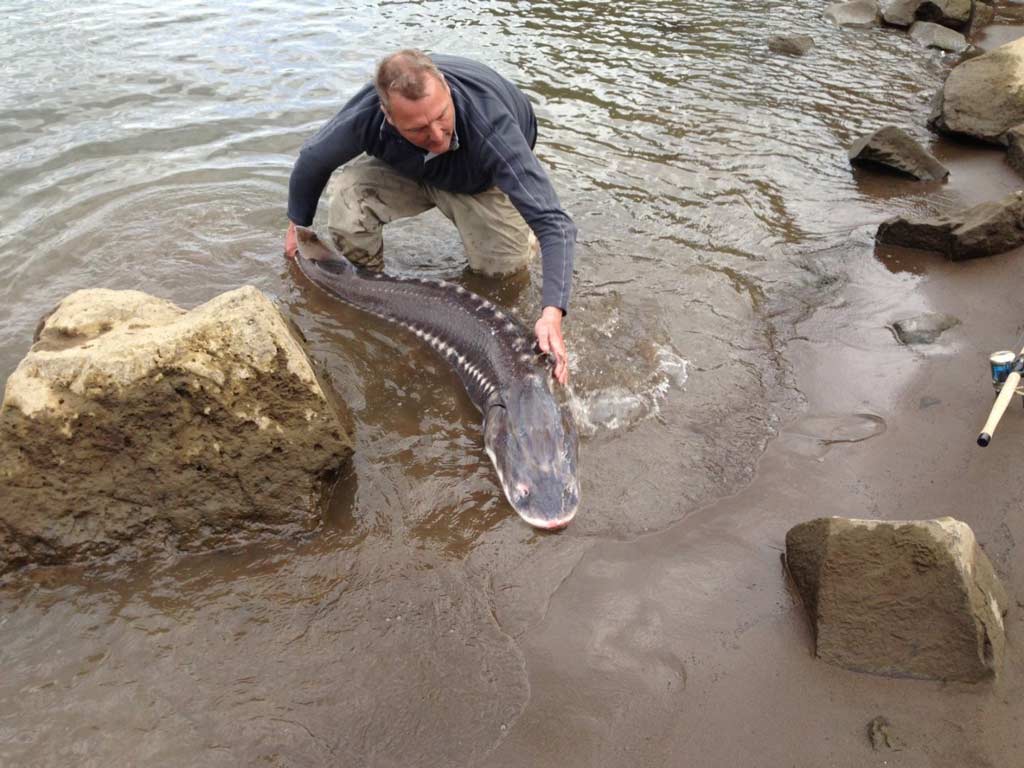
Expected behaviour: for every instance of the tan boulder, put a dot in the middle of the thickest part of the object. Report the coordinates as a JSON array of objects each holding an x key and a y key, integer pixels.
[
  {"x": 915, "y": 599},
  {"x": 134, "y": 426},
  {"x": 983, "y": 97}
]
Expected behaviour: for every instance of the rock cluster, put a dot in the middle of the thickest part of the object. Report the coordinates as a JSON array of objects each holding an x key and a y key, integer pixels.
[
  {"x": 955, "y": 14},
  {"x": 134, "y": 426}
]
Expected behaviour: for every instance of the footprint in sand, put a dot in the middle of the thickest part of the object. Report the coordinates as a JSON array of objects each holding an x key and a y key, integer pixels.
[{"x": 815, "y": 435}]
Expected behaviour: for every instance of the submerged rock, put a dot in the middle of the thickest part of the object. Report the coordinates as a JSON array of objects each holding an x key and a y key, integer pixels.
[
  {"x": 982, "y": 97},
  {"x": 894, "y": 149},
  {"x": 983, "y": 230},
  {"x": 133, "y": 425},
  {"x": 792, "y": 45},
  {"x": 937, "y": 36},
  {"x": 923, "y": 329},
  {"x": 914, "y": 599},
  {"x": 859, "y": 13}
]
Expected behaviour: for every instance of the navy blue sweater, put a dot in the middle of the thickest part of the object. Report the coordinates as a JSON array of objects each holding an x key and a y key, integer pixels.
[{"x": 496, "y": 130}]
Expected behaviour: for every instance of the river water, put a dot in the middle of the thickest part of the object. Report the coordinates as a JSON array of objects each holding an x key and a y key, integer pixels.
[{"x": 149, "y": 148}]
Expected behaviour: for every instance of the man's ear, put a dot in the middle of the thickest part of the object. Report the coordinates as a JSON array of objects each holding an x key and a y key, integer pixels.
[{"x": 386, "y": 115}]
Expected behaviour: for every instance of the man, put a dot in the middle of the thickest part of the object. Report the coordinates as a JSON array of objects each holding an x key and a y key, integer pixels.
[{"x": 450, "y": 133}]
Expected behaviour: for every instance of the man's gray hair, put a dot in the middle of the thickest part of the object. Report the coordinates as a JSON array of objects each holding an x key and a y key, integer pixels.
[{"x": 404, "y": 73}]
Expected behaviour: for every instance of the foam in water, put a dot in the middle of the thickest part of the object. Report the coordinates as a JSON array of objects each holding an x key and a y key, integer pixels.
[{"x": 616, "y": 407}]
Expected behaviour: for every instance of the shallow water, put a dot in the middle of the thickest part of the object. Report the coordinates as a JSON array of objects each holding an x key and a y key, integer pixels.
[{"x": 150, "y": 149}]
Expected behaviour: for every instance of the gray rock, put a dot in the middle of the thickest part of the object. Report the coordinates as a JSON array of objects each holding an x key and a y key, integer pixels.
[
  {"x": 792, "y": 45},
  {"x": 899, "y": 13},
  {"x": 923, "y": 329},
  {"x": 982, "y": 96},
  {"x": 984, "y": 230},
  {"x": 133, "y": 426},
  {"x": 859, "y": 13},
  {"x": 908, "y": 599},
  {"x": 1015, "y": 148},
  {"x": 894, "y": 149},
  {"x": 937, "y": 36}
]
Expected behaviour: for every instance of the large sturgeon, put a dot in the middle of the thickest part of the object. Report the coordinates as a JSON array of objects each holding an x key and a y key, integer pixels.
[{"x": 530, "y": 439}]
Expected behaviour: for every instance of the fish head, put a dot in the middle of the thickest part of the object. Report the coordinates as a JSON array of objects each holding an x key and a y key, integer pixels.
[
  {"x": 312, "y": 248},
  {"x": 533, "y": 444}
]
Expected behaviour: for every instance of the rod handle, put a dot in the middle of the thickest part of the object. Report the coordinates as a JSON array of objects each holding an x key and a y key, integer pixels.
[{"x": 999, "y": 408}]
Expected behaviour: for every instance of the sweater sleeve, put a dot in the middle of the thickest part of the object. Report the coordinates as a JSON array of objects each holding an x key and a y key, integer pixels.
[
  {"x": 342, "y": 139},
  {"x": 518, "y": 173}
]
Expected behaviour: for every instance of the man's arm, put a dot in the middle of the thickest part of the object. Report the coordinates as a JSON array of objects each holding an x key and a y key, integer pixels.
[
  {"x": 518, "y": 174},
  {"x": 343, "y": 138}
]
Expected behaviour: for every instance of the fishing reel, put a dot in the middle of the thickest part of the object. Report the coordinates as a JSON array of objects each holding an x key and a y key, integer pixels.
[{"x": 1007, "y": 369}]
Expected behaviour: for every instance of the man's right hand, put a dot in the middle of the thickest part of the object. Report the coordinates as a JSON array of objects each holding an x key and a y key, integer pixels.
[{"x": 291, "y": 242}]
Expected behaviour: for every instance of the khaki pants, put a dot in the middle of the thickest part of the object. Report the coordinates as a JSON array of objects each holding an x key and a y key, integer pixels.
[{"x": 367, "y": 194}]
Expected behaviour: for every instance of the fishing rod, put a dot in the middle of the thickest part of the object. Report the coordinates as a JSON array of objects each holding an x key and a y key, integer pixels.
[{"x": 1006, "y": 374}]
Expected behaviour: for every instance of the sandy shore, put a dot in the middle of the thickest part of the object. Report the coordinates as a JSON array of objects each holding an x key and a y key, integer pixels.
[{"x": 688, "y": 648}]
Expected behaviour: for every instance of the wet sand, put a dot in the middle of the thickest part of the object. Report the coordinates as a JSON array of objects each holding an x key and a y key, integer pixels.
[{"x": 687, "y": 647}]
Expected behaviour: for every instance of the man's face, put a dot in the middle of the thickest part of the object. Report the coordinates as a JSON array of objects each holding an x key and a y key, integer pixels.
[{"x": 428, "y": 122}]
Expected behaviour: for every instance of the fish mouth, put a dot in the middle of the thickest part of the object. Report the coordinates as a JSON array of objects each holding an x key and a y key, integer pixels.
[{"x": 548, "y": 523}]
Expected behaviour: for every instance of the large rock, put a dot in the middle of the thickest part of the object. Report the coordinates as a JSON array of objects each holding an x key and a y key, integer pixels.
[
  {"x": 937, "y": 36},
  {"x": 984, "y": 230},
  {"x": 983, "y": 97},
  {"x": 916, "y": 599},
  {"x": 894, "y": 149},
  {"x": 859, "y": 13},
  {"x": 134, "y": 425}
]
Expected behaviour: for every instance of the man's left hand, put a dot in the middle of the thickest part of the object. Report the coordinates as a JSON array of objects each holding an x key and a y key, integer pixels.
[{"x": 549, "y": 339}]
